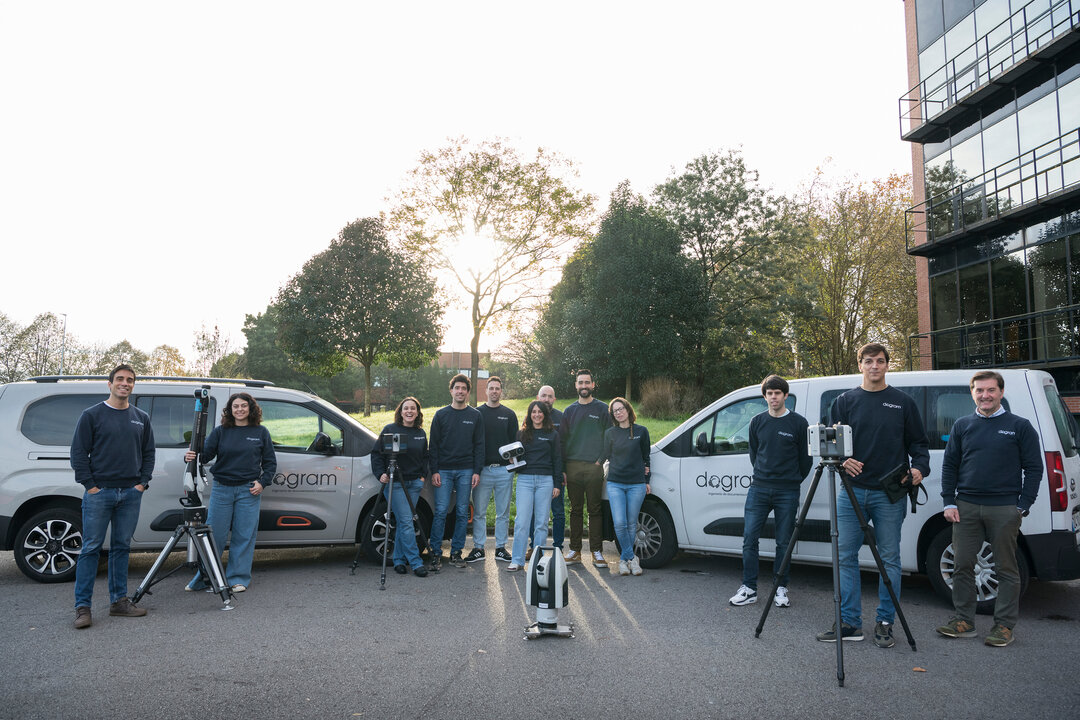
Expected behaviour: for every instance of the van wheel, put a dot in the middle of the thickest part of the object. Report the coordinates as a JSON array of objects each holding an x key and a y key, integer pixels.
[
  {"x": 655, "y": 543},
  {"x": 940, "y": 564},
  {"x": 373, "y": 532},
  {"x": 47, "y": 545}
]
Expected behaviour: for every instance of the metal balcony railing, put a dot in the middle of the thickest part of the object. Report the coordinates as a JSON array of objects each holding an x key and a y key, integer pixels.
[
  {"x": 1027, "y": 181},
  {"x": 1026, "y": 32},
  {"x": 1046, "y": 337}
]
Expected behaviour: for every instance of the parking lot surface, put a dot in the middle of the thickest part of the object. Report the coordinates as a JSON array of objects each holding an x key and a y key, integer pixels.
[{"x": 309, "y": 640}]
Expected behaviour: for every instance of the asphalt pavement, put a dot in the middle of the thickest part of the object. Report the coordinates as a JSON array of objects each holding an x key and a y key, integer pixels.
[{"x": 309, "y": 640}]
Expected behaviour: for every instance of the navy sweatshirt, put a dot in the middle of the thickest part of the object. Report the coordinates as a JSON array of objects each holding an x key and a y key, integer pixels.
[
  {"x": 413, "y": 464},
  {"x": 556, "y": 419},
  {"x": 113, "y": 448},
  {"x": 582, "y": 430},
  {"x": 543, "y": 455},
  {"x": 244, "y": 454},
  {"x": 887, "y": 428},
  {"x": 984, "y": 459},
  {"x": 457, "y": 439},
  {"x": 778, "y": 450},
  {"x": 627, "y": 452},
  {"x": 500, "y": 428}
]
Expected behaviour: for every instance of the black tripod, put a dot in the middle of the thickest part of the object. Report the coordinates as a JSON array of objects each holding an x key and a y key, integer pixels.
[
  {"x": 202, "y": 552},
  {"x": 391, "y": 471},
  {"x": 871, "y": 541}
]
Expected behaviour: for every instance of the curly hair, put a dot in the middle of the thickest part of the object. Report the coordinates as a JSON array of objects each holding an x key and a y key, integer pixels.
[
  {"x": 254, "y": 411},
  {"x": 527, "y": 426},
  {"x": 419, "y": 413}
]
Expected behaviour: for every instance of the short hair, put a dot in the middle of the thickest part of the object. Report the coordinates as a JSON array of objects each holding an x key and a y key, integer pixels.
[
  {"x": 988, "y": 375},
  {"x": 495, "y": 378},
  {"x": 584, "y": 371},
  {"x": 629, "y": 410},
  {"x": 118, "y": 368},
  {"x": 874, "y": 348},
  {"x": 775, "y": 382},
  {"x": 419, "y": 412},
  {"x": 527, "y": 426},
  {"x": 461, "y": 378},
  {"x": 254, "y": 411}
]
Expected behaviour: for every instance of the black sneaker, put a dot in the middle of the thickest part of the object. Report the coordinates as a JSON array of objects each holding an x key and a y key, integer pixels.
[
  {"x": 501, "y": 555},
  {"x": 883, "y": 635},
  {"x": 420, "y": 571},
  {"x": 400, "y": 569},
  {"x": 475, "y": 556},
  {"x": 436, "y": 562},
  {"x": 847, "y": 633},
  {"x": 456, "y": 560}
]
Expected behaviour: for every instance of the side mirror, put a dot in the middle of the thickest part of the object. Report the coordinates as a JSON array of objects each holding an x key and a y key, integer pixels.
[
  {"x": 322, "y": 444},
  {"x": 702, "y": 444}
]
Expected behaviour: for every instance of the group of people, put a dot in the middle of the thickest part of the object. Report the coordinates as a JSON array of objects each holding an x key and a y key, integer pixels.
[
  {"x": 563, "y": 454},
  {"x": 990, "y": 477}
]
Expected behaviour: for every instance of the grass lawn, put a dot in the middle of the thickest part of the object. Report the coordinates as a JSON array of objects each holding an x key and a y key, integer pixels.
[{"x": 378, "y": 420}]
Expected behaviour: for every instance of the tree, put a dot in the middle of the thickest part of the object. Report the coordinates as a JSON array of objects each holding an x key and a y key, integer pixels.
[
  {"x": 360, "y": 299},
  {"x": 495, "y": 224},
  {"x": 744, "y": 243},
  {"x": 39, "y": 345},
  {"x": 209, "y": 346},
  {"x": 165, "y": 360},
  {"x": 122, "y": 352},
  {"x": 863, "y": 278}
]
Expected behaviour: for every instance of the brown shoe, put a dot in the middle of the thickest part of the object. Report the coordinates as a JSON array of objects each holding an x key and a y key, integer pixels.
[
  {"x": 572, "y": 556},
  {"x": 82, "y": 618},
  {"x": 124, "y": 608}
]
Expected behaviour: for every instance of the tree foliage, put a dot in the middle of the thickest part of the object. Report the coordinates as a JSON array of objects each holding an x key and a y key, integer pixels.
[
  {"x": 863, "y": 278},
  {"x": 209, "y": 346},
  {"x": 166, "y": 361},
  {"x": 359, "y": 299},
  {"x": 495, "y": 224},
  {"x": 122, "y": 352}
]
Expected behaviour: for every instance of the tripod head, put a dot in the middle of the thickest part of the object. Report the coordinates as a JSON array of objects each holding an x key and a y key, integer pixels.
[{"x": 195, "y": 469}]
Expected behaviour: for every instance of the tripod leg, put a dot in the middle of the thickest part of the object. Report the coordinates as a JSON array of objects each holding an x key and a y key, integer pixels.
[
  {"x": 786, "y": 563},
  {"x": 871, "y": 540},
  {"x": 148, "y": 581},
  {"x": 210, "y": 563},
  {"x": 834, "y": 537},
  {"x": 386, "y": 535}
]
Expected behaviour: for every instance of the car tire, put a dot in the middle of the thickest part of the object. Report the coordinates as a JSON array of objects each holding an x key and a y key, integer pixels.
[
  {"x": 655, "y": 543},
  {"x": 47, "y": 545},
  {"x": 373, "y": 531},
  {"x": 940, "y": 564}
]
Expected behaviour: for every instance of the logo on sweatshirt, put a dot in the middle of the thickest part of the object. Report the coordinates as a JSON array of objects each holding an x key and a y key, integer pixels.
[
  {"x": 785, "y": 434},
  {"x": 1006, "y": 432},
  {"x": 891, "y": 405},
  {"x": 136, "y": 422}
]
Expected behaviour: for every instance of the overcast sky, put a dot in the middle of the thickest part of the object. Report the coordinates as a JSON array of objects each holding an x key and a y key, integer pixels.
[{"x": 166, "y": 165}]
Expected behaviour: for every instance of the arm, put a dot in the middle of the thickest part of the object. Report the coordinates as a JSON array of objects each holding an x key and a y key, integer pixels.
[
  {"x": 646, "y": 450},
  {"x": 556, "y": 462},
  {"x": 950, "y": 466},
  {"x": 149, "y": 455},
  {"x": 805, "y": 461},
  {"x": 609, "y": 440},
  {"x": 1032, "y": 464},
  {"x": 269, "y": 460},
  {"x": 378, "y": 462},
  {"x": 81, "y": 443},
  {"x": 918, "y": 448}
]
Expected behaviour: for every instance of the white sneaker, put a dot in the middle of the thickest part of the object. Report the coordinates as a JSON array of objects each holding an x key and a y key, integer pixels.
[
  {"x": 635, "y": 566},
  {"x": 572, "y": 556},
  {"x": 781, "y": 599},
  {"x": 745, "y": 596},
  {"x": 623, "y": 568},
  {"x": 598, "y": 559}
]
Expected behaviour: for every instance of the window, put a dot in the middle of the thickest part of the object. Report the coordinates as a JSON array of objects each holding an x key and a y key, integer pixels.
[
  {"x": 944, "y": 406},
  {"x": 974, "y": 293},
  {"x": 52, "y": 420},
  {"x": 946, "y": 311},
  {"x": 1066, "y": 427},
  {"x": 172, "y": 416},
  {"x": 293, "y": 427},
  {"x": 729, "y": 427}
]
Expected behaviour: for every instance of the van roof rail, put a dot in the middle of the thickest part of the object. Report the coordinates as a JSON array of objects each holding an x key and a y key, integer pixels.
[{"x": 170, "y": 378}]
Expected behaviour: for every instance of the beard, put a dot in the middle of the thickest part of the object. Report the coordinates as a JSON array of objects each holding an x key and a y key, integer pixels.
[{"x": 584, "y": 393}]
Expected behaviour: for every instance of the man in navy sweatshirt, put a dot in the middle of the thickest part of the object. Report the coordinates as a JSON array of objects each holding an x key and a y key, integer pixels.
[
  {"x": 500, "y": 428},
  {"x": 112, "y": 454},
  {"x": 887, "y": 429},
  {"x": 781, "y": 461},
  {"x": 985, "y": 498},
  {"x": 582, "y": 433},
  {"x": 457, "y": 456}
]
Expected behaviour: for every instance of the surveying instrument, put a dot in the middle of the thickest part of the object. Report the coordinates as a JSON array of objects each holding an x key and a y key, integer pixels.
[
  {"x": 833, "y": 445},
  {"x": 394, "y": 444},
  {"x": 202, "y": 552}
]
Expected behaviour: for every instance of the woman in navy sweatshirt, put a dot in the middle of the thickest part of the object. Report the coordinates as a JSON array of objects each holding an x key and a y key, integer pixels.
[
  {"x": 626, "y": 448},
  {"x": 246, "y": 464},
  {"x": 539, "y": 484},
  {"x": 412, "y": 469}
]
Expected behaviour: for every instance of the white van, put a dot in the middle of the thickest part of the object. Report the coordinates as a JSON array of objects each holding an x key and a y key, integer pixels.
[{"x": 701, "y": 472}]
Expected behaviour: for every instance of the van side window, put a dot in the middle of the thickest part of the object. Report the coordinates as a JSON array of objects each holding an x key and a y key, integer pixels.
[
  {"x": 51, "y": 420},
  {"x": 944, "y": 406},
  {"x": 293, "y": 427},
  {"x": 172, "y": 416},
  {"x": 1063, "y": 421},
  {"x": 728, "y": 429}
]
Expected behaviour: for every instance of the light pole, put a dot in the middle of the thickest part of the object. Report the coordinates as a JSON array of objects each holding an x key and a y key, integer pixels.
[{"x": 63, "y": 343}]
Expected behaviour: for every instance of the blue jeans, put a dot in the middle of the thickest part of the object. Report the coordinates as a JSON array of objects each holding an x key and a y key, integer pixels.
[
  {"x": 461, "y": 480},
  {"x": 118, "y": 507},
  {"x": 405, "y": 550},
  {"x": 493, "y": 481},
  {"x": 233, "y": 507},
  {"x": 887, "y": 519},
  {"x": 625, "y": 500},
  {"x": 558, "y": 521},
  {"x": 533, "y": 504},
  {"x": 784, "y": 504}
]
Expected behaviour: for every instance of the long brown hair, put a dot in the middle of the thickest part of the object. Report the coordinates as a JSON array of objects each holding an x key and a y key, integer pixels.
[
  {"x": 419, "y": 413},
  {"x": 254, "y": 411},
  {"x": 527, "y": 428}
]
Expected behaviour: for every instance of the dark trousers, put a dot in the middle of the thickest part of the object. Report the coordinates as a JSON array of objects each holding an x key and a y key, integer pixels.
[
  {"x": 999, "y": 525},
  {"x": 585, "y": 482}
]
